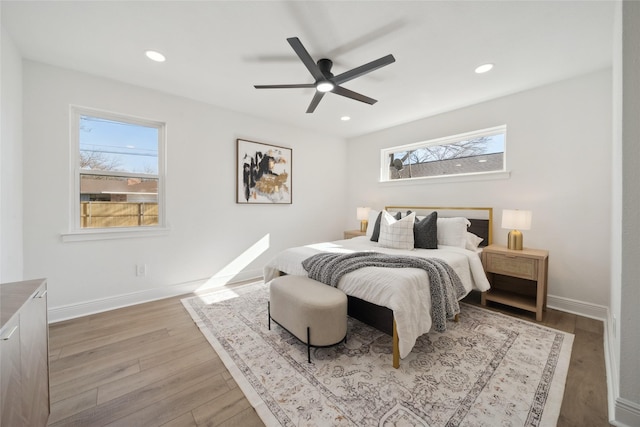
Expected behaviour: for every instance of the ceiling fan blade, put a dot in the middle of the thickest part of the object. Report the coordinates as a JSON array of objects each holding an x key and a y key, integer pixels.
[
  {"x": 306, "y": 58},
  {"x": 315, "y": 101},
  {"x": 363, "y": 69},
  {"x": 303, "y": 85},
  {"x": 339, "y": 90}
]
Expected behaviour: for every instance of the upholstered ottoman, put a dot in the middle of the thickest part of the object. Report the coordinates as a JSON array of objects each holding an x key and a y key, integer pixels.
[{"x": 313, "y": 312}]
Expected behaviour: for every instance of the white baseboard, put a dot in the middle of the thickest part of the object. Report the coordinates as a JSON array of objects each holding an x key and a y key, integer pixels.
[
  {"x": 610, "y": 365},
  {"x": 598, "y": 312},
  {"x": 622, "y": 412},
  {"x": 586, "y": 309},
  {"x": 627, "y": 413},
  {"x": 72, "y": 311}
]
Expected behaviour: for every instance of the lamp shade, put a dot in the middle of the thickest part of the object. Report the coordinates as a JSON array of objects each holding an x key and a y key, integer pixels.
[
  {"x": 363, "y": 213},
  {"x": 514, "y": 219}
]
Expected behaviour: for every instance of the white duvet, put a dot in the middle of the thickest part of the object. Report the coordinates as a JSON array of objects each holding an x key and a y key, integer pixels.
[{"x": 403, "y": 290}]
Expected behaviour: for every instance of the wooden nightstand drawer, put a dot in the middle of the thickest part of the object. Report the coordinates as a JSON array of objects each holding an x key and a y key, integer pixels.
[{"x": 525, "y": 268}]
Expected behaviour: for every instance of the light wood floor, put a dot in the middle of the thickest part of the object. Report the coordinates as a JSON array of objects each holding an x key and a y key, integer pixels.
[{"x": 149, "y": 365}]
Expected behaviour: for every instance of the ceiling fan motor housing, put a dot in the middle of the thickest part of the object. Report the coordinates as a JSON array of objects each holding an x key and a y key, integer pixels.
[{"x": 325, "y": 67}]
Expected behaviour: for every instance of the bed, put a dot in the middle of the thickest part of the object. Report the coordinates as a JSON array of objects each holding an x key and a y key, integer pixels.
[{"x": 397, "y": 300}]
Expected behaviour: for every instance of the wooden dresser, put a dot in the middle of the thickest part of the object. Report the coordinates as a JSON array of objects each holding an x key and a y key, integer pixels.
[{"x": 24, "y": 354}]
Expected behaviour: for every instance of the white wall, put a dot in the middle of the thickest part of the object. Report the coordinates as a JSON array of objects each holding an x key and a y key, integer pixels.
[
  {"x": 11, "y": 253},
  {"x": 612, "y": 341},
  {"x": 559, "y": 155},
  {"x": 209, "y": 231},
  {"x": 628, "y": 340}
]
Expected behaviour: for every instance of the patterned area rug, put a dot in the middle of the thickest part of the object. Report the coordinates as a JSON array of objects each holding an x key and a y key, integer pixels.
[{"x": 487, "y": 370}]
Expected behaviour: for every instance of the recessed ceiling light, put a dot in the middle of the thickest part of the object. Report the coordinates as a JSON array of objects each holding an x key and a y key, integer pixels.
[
  {"x": 345, "y": 118},
  {"x": 484, "y": 68},
  {"x": 155, "y": 56},
  {"x": 482, "y": 161}
]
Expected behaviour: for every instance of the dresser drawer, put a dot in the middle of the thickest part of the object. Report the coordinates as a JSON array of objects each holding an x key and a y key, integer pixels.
[{"x": 525, "y": 268}]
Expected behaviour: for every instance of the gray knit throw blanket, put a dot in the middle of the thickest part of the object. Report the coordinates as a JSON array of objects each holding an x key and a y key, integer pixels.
[{"x": 445, "y": 285}]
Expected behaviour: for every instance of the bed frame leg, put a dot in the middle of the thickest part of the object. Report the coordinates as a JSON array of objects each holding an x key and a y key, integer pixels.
[
  {"x": 396, "y": 348},
  {"x": 456, "y": 318}
]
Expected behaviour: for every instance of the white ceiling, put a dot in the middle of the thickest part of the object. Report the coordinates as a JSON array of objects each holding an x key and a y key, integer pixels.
[{"x": 217, "y": 50}]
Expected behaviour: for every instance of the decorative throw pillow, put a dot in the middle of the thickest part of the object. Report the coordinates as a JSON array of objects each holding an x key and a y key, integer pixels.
[
  {"x": 373, "y": 217},
  {"x": 396, "y": 234},
  {"x": 425, "y": 232},
  {"x": 453, "y": 231},
  {"x": 473, "y": 241},
  {"x": 376, "y": 229}
]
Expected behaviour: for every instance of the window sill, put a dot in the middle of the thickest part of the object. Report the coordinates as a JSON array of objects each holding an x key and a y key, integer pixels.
[
  {"x": 113, "y": 233},
  {"x": 442, "y": 179}
]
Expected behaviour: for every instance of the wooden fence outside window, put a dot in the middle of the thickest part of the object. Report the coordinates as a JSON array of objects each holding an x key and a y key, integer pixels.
[{"x": 118, "y": 214}]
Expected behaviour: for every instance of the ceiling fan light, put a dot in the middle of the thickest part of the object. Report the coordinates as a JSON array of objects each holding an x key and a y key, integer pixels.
[{"x": 324, "y": 86}]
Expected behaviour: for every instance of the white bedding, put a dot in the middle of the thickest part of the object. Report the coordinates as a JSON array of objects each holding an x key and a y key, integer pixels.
[{"x": 403, "y": 290}]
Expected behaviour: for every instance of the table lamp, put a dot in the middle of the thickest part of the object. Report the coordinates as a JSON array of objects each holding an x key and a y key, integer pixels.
[
  {"x": 515, "y": 220},
  {"x": 363, "y": 215}
]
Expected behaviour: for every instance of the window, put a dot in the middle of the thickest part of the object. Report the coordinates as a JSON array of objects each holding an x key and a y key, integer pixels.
[
  {"x": 478, "y": 152},
  {"x": 119, "y": 171}
]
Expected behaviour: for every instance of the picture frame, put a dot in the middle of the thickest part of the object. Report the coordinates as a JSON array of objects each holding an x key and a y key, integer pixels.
[{"x": 263, "y": 173}]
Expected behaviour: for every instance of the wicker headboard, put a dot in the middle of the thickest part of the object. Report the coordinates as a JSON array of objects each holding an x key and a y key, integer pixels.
[{"x": 481, "y": 218}]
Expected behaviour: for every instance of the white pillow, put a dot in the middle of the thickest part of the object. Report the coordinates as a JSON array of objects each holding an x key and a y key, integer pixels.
[
  {"x": 453, "y": 231},
  {"x": 396, "y": 234},
  {"x": 473, "y": 241},
  {"x": 373, "y": 217}
]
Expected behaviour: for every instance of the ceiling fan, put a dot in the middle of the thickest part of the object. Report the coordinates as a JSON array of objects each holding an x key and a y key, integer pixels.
[{"x": 325, "y": 81}]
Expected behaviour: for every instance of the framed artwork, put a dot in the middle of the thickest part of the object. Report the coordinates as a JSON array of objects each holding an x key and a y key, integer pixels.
[{"x": 263, "y": 173}]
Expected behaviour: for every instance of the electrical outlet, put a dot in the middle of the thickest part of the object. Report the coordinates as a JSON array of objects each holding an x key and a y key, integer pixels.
[{"x": 141, "y": 270}]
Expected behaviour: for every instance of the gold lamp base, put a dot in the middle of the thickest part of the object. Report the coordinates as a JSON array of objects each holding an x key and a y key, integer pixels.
[
  {"x": 515, "y": 240},
  {"x": 363, "y": 225}
]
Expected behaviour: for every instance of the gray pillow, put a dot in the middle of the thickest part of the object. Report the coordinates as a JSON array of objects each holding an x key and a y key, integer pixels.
[{"x": 425, "y": 232}]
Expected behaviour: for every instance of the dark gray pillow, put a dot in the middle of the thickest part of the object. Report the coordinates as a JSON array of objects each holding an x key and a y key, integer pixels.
[
  {"x": 376, "y": 229},
  {"x": 425, "y": 232}
]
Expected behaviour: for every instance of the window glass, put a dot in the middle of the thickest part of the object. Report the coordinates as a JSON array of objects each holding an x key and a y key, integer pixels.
[
  {"x": 119, "y": 171},
  {"x": 117, "y": 146},
  {"x": 470, "y": 153}
]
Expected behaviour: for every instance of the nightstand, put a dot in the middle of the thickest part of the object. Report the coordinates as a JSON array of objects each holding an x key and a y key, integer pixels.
[
  {"x": 518, "y": 278},
  {"x": 350, "y": 234}
]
